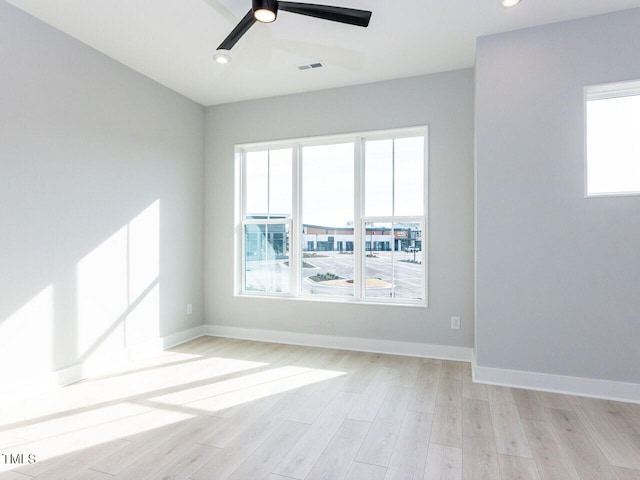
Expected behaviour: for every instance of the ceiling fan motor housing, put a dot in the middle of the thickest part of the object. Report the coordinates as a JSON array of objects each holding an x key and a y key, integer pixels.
[{"x": 270, "y": 5}]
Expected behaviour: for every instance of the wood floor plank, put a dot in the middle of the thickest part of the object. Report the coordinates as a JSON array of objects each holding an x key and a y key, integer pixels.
[
  {"x": 302, "y": 457},
  {"x": 10, "y": 475},
  {"x": 336, "y": 459},
  {"x": 471, "y": 389},
  {"x": 479, "y": 454},
  {"x": 518, "y": 468},
  {"x": 378, "y": 445},
  {"x": 151, "y": 464},
  {"x": 363, "y": 471},
  {"x": 449, "y": 391},
  {"x": 585, "y": 456},
  {"x": 410, "y": 452},
  {"x": 406, "y": 373},
  {"x": 227, "y": 429},
  {"x": 631, "y": 414},
  {"x": 367, "y": 407},
  {"x": 423, "y": 396},
  {"x": 627, "y": 473},
  {"x": 226, "y": 460},
  {"x": 144, "y": 442},
  {"x": 507, "y": 428},
  {"x": 266, "y": 457},
  {"x": 91, "y": 475},
  {"x": 529, "y": 405},
  {"x": 70, "y": 465},
  {"x": 603, "y": 423},
  {"x": 550, "y": 458},
  {"x": 452, "y": 369},
  {"x": 360, "y": 379},
  {"x": 311, "y": 409},
  {"x": 240, "y": 391},
  {"x": 443, "y": 463},
  {"x": 553, "y": 400},
  {"x": 447, "y": 422},
  {"x": 83, "y": 419},
  {"x": 179, "y": 465}
]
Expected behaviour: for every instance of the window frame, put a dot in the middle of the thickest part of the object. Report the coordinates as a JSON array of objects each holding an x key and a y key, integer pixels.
[
  {"x": 604, "y": 91},
  {"x": 295, "y": 221}
]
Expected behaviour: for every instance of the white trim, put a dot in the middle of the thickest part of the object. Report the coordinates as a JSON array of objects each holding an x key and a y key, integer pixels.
[
  {"x": 36, "y": 385},
  {"x": 358, "y": 344},
  {"x": 603, "y": 91},
  {"x": 328, "y": 139},
  {"x": 546, "y": 382}
]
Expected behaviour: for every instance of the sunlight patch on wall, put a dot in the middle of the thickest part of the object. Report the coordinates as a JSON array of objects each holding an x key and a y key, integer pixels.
[
  {"x": 102, "y": 296},
  {"x": 144, "y": 250},
  {"x": 118, "y": 289},
  {"x": 26, "y": 339}
]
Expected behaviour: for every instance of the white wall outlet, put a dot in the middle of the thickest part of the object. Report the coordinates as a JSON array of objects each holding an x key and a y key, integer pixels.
[
  {"x": 455, "y": 323},
  {"x": 189, "y": 309}
]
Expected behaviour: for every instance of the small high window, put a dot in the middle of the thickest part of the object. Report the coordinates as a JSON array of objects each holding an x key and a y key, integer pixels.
[{"x": 613, "y": 139}]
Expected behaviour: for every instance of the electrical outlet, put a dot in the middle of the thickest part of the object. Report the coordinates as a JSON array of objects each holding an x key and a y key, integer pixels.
[
  {"x": 455, "y": 323},
  {"x": 189, "y": 309}
]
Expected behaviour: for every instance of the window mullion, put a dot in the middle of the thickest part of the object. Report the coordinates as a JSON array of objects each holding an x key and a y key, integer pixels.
[
  {"x": 295, "y": 251},
  {"x": 393, "y": 177},
  {"x": 268, "y": 183},
  {"x": 358, "y": 211}
]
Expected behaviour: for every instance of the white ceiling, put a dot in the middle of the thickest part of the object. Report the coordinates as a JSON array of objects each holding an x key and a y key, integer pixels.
[{"x": 173, "y": 41}]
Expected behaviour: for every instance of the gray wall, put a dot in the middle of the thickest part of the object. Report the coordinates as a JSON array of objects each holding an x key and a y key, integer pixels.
[
  {"x": 86, "y": 146},
  {"x": 558, "y": 275},
  {"x": 445, "y": 103}
]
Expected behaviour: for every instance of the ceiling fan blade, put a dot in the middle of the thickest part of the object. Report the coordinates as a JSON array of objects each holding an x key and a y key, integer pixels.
[
  {"x": 245, "y": 24},
  {"x": 327, "y": 12}
]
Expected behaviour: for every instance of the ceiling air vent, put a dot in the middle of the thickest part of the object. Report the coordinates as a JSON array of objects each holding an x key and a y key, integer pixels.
[{"x": 311, "y": 66}]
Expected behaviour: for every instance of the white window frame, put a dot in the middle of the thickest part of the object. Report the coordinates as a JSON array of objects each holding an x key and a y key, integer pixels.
[
  {"x": 601, "y": 92},
  {"x": 295, "y": 222}
]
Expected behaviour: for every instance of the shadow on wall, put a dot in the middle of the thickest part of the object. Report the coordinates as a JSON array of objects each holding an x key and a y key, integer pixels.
[{"x": 112, "y": 299}]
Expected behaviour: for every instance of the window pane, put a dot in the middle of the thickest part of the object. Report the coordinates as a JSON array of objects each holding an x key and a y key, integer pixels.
[
  {"x": 378, "y": 174},
  {"x": 280, "y": 183},
  {"x": 409, "y": 176},
  {"x": 613, "y": 145},
  {"x": 266, "y": 258},
  {"x": 257, "y": 184},
  {"x": 268, "y": 184},
  {"x": 327, "y": 218},
  {"x": 393, "y": 260}
]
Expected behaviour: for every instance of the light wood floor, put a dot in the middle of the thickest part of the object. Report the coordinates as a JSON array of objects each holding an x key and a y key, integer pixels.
[{"x": 215, "y": 408}]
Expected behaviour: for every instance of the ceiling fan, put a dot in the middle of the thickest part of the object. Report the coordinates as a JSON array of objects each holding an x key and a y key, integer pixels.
[{"x": 266, "y": 11}]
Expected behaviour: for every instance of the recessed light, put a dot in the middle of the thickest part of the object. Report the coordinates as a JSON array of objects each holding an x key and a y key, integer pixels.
[
  {"x": 509, "y": 3},
  {"x": 222, "y": 57}
]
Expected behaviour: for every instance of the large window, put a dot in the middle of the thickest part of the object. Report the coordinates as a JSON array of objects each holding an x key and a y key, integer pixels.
[
  {"x": 338, "y": 218},
  {"x": 613, "y": 139}
]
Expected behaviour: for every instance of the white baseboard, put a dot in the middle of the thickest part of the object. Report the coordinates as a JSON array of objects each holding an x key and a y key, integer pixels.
[
  {"x": 444, "y": 352},
  {"x": 584, "y": 387},
  {"x": 36, "y": 385}
]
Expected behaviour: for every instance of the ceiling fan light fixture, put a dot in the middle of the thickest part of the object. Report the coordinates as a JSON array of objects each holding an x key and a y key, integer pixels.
[
  {"x": 509, "y": 3},
  {"x": 222, "y": 57},
  {"x": 265, "y": 11}
]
